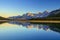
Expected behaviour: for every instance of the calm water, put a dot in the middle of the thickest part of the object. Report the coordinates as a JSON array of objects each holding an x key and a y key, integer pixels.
[{"x": 29, "y": 31}]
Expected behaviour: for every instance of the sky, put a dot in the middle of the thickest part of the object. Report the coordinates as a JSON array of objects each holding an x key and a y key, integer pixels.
[{"x": 20, "y": 7}]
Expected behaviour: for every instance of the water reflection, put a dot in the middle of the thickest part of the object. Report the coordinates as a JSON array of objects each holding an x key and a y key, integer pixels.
[
  {"x": 15, "y": 30},
  {"x": 30, "y": 26},
  {"x": 54, "y": 27}
]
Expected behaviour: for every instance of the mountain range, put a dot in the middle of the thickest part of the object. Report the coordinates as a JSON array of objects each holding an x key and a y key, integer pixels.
[
  {"x": 31, "y": 15},
  {"x": 45, "y": 14}
]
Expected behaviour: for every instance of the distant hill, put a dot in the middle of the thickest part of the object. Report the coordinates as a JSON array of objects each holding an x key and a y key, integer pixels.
[{"x": 2, "y": 18}]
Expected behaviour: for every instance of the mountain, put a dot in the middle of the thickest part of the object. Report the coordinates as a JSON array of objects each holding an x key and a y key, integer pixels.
[
  {"x": 28, "y": 15},
  {"x": 45, "y": 14},
  {"x": 24, "y": 16},
  {"x": 31, "y": 15},
  {"x": 38, "y": 15},
  {"x": 55, "y": 13},
  {"x": 42, "y": 15}
]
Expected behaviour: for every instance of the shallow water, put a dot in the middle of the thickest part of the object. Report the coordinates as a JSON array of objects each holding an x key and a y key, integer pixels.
[{"x": 29, "y": 31}]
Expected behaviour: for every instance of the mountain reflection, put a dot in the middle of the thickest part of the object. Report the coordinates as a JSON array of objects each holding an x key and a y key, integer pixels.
[
  {"x": 30, "y": 25},
  {"x": 54, "y": 27}
]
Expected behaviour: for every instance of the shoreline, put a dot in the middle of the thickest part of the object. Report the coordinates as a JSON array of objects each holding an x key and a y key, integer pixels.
[
  {"x": 34, "y": 21},
  {"x": 39, "y": 21},
  {"x": 44, "y": 21}
]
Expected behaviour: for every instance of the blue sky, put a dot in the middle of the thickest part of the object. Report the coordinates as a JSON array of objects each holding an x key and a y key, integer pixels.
[{"x": 19, "y": 7}]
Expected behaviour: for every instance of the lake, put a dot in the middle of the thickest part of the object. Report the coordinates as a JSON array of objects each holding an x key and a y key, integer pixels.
[{"x": 14, "y": 30}]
